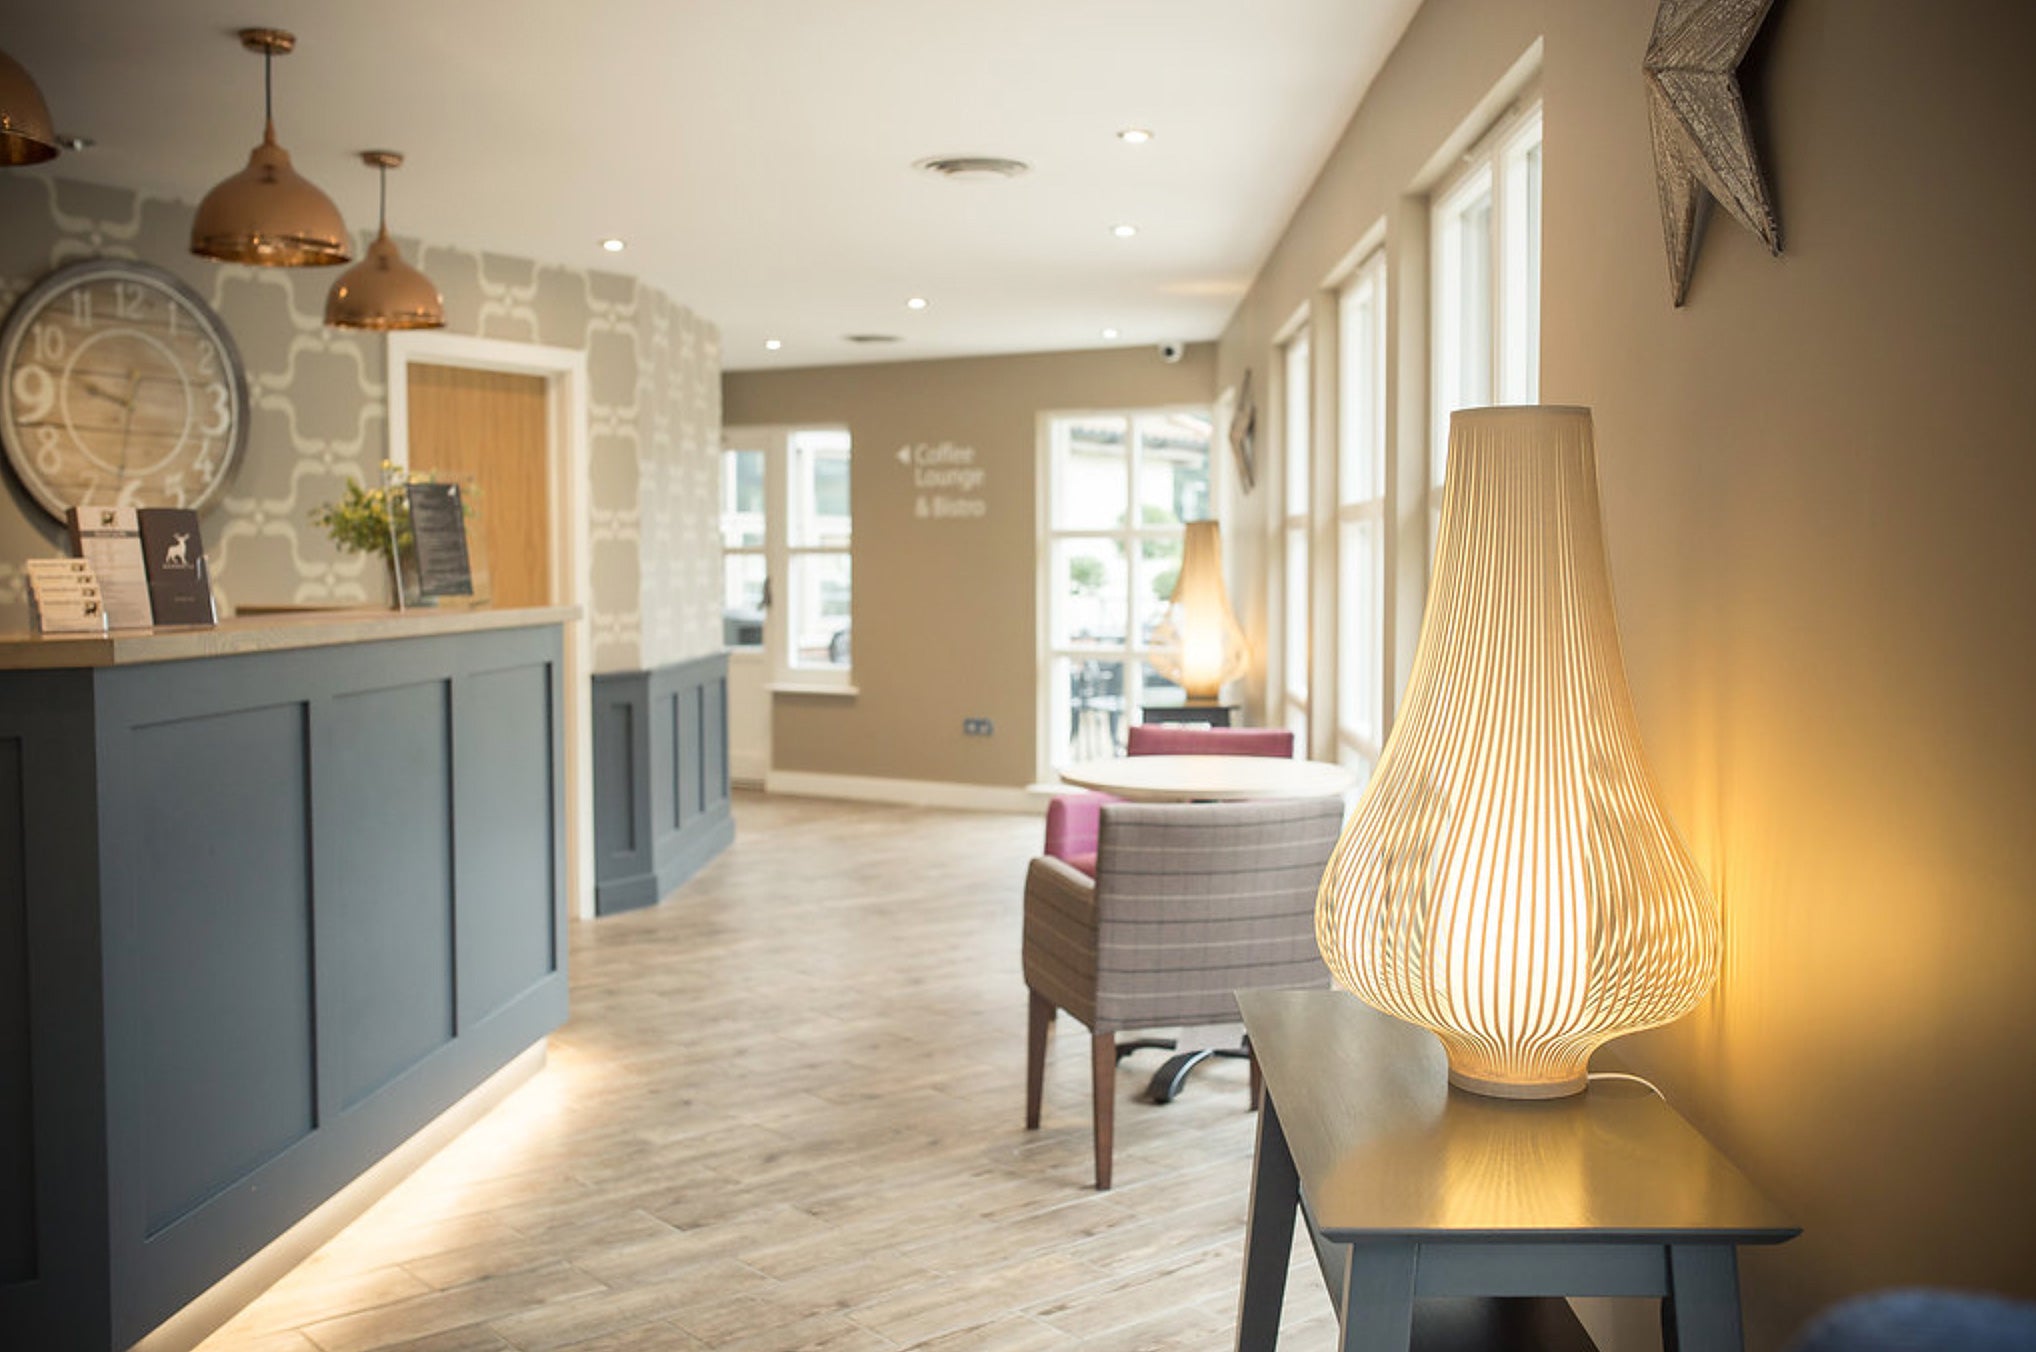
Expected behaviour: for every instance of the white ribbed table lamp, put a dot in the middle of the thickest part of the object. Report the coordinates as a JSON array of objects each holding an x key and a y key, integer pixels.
[
  {"x": 1199, "y": 644},
  {"x": 1510, "y": 878}
]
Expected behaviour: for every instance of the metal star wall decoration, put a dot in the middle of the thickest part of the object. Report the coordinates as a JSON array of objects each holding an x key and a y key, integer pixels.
[{"x": 1703, "y": 146}]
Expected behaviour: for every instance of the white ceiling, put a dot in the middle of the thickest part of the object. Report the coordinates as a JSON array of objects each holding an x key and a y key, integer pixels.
[{"x": 756, "y": 154}]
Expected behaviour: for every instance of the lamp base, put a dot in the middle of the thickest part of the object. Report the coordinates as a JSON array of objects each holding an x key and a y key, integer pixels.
[{"x": 1511, "y": 1089}]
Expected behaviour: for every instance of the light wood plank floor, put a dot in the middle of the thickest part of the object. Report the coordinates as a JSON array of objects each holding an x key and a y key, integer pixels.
[{"x": 788, "y": 1114}]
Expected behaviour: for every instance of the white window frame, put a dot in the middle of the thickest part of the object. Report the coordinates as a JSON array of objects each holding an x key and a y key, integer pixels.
[
  {"x": 1297, "y": 467},
  {"x": 1498, "y": 163},
  {"x": 787, "y": 674},
  {"x": 1129, "y": 535},
  {"x": 1364, "y": 685}
]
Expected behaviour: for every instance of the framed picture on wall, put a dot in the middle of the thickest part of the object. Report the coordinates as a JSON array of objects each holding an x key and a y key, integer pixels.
[{"x": 1244, "y": 434}]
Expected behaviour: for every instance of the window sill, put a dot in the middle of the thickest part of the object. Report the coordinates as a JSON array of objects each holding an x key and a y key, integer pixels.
[{"x": 811, "y": 688}]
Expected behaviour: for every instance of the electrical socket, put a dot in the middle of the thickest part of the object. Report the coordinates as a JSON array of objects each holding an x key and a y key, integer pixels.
[{"x": 977, "y": 727}]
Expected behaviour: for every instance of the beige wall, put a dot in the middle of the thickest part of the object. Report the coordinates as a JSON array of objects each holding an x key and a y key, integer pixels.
[
  {"x": 943, "y": 610},
  {"x": 318, "y": 414},
  {"x": 1819, "y": 487}
]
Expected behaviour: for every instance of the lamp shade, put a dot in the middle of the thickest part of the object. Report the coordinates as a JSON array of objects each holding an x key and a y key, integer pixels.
[
  {"x": 1510, "y": 878},
  {"x": 382, "y": 291},
  {"x": 268, "y": 214},
  {"x": 27, "y": 136},
  {"x": 1198, "y": 645}
]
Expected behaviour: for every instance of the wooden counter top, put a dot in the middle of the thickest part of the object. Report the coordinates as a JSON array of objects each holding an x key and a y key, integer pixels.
[{"x": 260, "y": 633}]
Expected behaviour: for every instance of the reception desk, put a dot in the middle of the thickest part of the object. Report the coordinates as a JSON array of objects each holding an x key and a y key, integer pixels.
[{"x": 273, "y": 896}]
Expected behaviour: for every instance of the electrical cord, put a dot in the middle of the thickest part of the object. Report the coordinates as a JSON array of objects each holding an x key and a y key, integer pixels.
[{"x": 1622, "y": 1075}]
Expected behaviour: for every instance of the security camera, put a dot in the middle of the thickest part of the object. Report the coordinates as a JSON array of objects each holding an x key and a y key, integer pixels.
[{"x": 1171, "y": 352}]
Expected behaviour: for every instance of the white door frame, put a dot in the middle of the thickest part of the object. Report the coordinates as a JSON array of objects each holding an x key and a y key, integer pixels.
[{"x": 564, "y": 371}]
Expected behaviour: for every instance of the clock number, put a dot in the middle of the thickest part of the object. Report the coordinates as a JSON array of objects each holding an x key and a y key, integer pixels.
[
  {"x": 222, "y": 413},
  {"x": 173, "y": 313},
  {"x": 208, "y": 361},
  {"x": 203, "y": 466},
  {"x": 49, "y": 342},
  {"x": 49, "y": 456},
  {"x": 127, "y": 299},
  {"x": 34, "y": 394},
  {"x": 179, "y": 494},
  {"x": 81, "y": 306}
]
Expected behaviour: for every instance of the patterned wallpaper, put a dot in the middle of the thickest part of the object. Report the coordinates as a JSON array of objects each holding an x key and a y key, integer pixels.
[{"x": 319, "y": 413}]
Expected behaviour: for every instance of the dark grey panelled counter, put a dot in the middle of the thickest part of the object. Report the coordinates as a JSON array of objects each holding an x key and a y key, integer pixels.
[
  {"x": 272, "y": 897},
  {"x": 661, "y": 804}
]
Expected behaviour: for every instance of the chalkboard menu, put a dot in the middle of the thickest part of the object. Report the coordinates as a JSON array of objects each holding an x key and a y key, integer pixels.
[{"x": 438, "y": 526}]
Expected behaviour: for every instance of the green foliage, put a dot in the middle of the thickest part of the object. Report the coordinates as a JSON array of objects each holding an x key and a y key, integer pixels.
[
  {"x": 1163, "y": 583},
  {"x": 1085, "y": 574},
  {"x": 359, "y": 522}
]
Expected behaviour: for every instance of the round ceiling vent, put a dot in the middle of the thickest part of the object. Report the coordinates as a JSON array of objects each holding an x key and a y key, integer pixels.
[
  {"x": 872, "y": 337},
  {"x": 972, "y": 167}
]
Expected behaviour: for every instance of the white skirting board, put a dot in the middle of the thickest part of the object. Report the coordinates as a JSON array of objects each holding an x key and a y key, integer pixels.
[{"x": 906, "y": 792}]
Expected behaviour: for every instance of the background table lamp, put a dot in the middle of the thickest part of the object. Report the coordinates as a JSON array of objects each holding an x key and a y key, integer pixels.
[
  {"x": 1510, "y": 878},
  {"x": 1199, "y": 644}
]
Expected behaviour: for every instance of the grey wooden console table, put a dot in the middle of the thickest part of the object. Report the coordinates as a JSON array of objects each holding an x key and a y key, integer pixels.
[{"x": 1412, "y": 1189}]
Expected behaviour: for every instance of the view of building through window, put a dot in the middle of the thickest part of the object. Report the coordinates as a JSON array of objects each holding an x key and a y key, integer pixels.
[
  {"x": 786, "y": 535},
  {"x": 1121, "y": 486}
]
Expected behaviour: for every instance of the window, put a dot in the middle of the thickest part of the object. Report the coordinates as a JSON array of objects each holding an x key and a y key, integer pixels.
[
  {"x": 1119, "y": 487},
  {"x": 744, "y": 566},
  {"x": 786, "y": 537},
  {"x": 1294, "y": 437},
  {"x": 1486, "y": 261},
  {"x": 1361, "y": 683}
]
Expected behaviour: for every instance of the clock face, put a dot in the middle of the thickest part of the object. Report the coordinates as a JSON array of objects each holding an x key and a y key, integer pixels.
[{"x": 119, "y": 386}]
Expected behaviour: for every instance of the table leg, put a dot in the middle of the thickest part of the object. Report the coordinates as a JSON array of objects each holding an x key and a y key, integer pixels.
[
  {"x": 1378, "y": 1298},
  {"x": 1701, "y": 1310},
  {"x": 1268, "y": 1236}
]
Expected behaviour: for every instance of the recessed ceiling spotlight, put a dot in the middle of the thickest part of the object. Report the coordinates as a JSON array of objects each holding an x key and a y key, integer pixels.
[
  {"x": 1124, "y": 231},
  {"x": 75, "y": 143},
  {"x": 613, "y": 245},
  {"x": 772, "y": 345},
  {"x": 1109, "y": 333},
  {"x": 1134, "y": 136},
  {"x": 916, "y": 303}
]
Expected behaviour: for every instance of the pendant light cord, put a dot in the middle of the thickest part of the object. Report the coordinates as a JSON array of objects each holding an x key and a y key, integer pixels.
[
  {"x": 385, "y": 197},
  {"x": 269, "y": 85}
]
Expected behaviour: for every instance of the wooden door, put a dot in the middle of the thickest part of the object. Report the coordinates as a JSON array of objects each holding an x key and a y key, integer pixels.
[{"x": 492, "y": 429}]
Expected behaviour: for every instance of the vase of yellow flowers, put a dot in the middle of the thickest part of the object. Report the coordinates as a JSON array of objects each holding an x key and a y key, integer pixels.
[{"x": 373, "y": 521}]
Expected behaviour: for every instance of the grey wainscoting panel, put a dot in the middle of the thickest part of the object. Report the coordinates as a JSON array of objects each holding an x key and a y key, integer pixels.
[
  {"x": 255, "y": 892},
  {"x": 661, "y": 798},
  {"x": 386, "y": 895},
  {"x": 505, "y": 821},
  {"x": 225, "y": 999},
  {"x": 620, "y": 775},
  {"x": 17, "y": 1101},
  {"x": 54, "y": 1293}
]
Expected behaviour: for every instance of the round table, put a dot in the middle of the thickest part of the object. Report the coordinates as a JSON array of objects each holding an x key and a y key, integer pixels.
[{"x": 1208, "y": 779}]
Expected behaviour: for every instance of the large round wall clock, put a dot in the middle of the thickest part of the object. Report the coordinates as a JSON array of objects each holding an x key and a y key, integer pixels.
[{"x": 119, "y": 386}]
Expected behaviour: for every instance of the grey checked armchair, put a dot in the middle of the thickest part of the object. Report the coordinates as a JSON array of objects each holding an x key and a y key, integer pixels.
[{"x": 1190, "y": 903}]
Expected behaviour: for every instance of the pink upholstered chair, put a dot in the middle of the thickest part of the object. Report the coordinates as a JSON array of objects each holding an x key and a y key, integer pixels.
[
  {"x": 1172, "y": 739},
  {"x": 1073, "y": 820}
]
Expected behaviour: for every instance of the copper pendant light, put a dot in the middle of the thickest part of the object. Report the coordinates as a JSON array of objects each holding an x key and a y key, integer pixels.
[
  {"x": 382, "y": 291},
  {"x": 26, "y": 134},
  {"x": 268, "y": 214}
]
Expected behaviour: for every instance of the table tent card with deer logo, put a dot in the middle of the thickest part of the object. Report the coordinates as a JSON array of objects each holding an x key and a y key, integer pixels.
[{"x": 179, "y": 583}]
